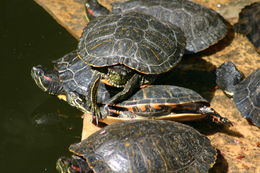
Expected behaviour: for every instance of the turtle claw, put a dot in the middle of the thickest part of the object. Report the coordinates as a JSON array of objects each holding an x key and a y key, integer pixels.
[{"x": 96, "y": 113}]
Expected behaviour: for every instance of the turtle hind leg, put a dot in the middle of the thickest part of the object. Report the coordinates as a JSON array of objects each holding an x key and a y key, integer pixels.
[
  {"x": 91, "y": 97},
  {"x": 212, "y": 114}
]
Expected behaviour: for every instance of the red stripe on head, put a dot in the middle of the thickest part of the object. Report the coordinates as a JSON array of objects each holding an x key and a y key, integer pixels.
[
  {"x": 91, "y": 12},
  {"x": 47, "y": 78},
  {"x": 75, "y": 168}
]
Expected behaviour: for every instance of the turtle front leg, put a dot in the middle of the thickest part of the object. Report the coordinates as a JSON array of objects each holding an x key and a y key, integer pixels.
[
  {"x": 91, "y": 98},
  {"x": 132, "y": 84}
]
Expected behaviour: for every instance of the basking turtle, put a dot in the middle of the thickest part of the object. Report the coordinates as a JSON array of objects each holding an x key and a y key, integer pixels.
[
  {"x": 245, "y": 92},
  {"x": 202, "y": 26},
  {"x": 70, "y": 77},
  {"x": 164, "y": 102},
  {"x": 141, "y": 146},
  {"x": 128, "y": 50},
  {"x": 249, "y": 24}
]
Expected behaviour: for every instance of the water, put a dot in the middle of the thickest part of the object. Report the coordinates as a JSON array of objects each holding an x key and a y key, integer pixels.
[{"x": 35, "y": 128}]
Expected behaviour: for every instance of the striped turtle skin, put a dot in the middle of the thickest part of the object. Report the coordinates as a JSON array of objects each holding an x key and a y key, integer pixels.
[
  {"x": 249, "y": 24},
  {"x": 69, "y": 80},
  {"x": 141, "y": 146},
  {"x": 202, "y": 26}
]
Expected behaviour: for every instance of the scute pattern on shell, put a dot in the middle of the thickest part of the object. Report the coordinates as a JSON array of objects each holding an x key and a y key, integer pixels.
[
  {"x": 133, "y": 39},
  {"x": 202, "y": 26},
  {"x": 163, "y": 94},
  {"x": 247, "y": 97},
  {"x": 249, "y": 24},
  {"x": 147, "y": 146}
]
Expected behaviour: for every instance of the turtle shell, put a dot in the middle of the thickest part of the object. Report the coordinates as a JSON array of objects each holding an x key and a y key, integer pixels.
[
  {"x": 76, "y": 76},
  {"x": 202, "y": 26},
  {"x": 247, "y": 97},
  {"x": 249, "y": 23},
  {"x": 147, "y": 146},
  {"x": 138, "y": 41},
  {"x": 160, "y": 102}
]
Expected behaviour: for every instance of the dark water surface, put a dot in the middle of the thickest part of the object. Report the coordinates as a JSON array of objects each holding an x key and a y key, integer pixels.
[{"x": 35, "y": 128}]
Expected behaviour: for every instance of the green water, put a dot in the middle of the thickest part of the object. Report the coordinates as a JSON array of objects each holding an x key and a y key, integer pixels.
[{"x": 35, "y": 128}]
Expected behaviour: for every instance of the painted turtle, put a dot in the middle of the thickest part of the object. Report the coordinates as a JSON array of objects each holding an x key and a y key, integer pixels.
[
  {"x": 249, "y": 23},
  {"x": 141, "y": 146},
  {"x": 245, "y": 92},
  {"x": 164, "y": 102},
  {"x": 202, "y": 26},
  {"x": 70, "y": 77},
  {"x": 128, "y": 50}
]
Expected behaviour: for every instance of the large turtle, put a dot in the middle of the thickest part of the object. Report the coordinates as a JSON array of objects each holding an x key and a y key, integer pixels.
[
  {"x": 69, "y": 80},
  {"x": 249, "y": 23},
  {"x": 128, "y": 50},
  {"x": 141, "y": 146},
  {"x": 202, "y": 26},
  {"x": 245, "y": 91},
  {"x": 162, "y": 102}
]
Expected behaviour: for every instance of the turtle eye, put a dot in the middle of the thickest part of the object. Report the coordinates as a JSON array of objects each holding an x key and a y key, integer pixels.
[
  {"x": 124, "y": 73},
  {"x": 87, "y": 5}
]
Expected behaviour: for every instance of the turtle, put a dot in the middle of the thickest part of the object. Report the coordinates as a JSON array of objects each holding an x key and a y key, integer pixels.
[
  {"x": 202, "y": 26},
  {"x": 160, "y": 102},
  {"x": 245, "y": 91},
  {"x": 249, "y": 23},
  {"x": 128, "y": 50},
  {"x": 69, "y": 80},
  {"x": 141, "y": 146},
  {"x": 152, "y": 102}
]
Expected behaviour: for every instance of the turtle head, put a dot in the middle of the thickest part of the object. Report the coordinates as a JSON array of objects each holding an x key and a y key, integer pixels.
[
  {"x": 47, "y": 80},
  {"x": 94, "y": 9},
  {"x": 227, "y": 76},
  {"x": 118, "y": 75},
  {"x": 74, "y": 164}
]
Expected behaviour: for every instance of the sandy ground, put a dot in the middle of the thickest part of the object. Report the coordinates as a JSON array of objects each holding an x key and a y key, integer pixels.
[{"x": 239, "y": 147}]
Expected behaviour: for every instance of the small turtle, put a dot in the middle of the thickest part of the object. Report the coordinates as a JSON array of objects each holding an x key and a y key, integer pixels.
[
  {"x": 141, "y": 146},
  {"x": 70, "y": 78},
  {"x": 164, "y": 102},
  {"x": 202, "y": 26},
  {"x": 249, "y": 23},
  {"x": 128, "y": 50},
  {"x": 245, "y": 92}
]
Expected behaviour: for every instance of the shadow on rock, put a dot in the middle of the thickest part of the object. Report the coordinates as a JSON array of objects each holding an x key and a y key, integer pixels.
[
  {"x": 193, "y": 73},
  {"x": 221, "y": 165},
  {"x": 207, "y": 127}
]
